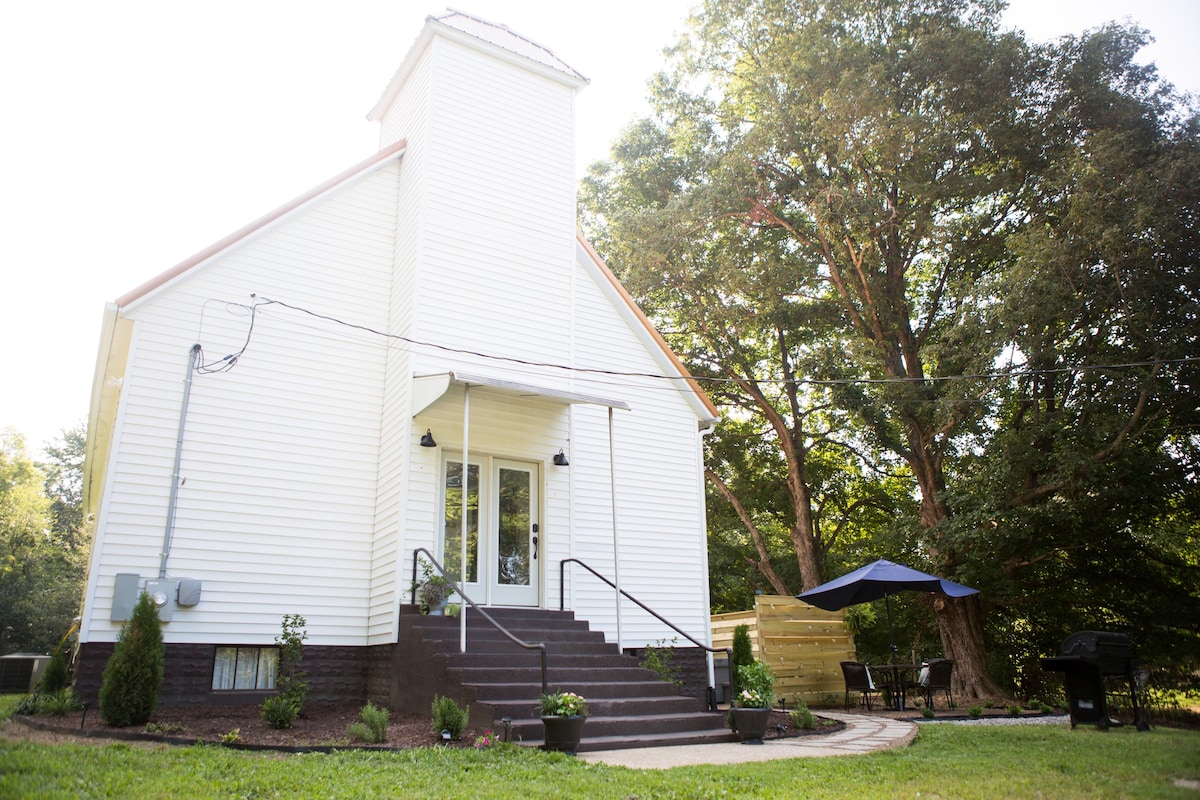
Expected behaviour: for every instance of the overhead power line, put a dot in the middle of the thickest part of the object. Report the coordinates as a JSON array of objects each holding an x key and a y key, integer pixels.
[{"x": 228, "y": 361}]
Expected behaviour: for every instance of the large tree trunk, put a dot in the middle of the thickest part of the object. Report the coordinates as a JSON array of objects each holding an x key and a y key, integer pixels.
[
  {"x": 960, "y": 620},
  {"x": 960, "y": 623}
]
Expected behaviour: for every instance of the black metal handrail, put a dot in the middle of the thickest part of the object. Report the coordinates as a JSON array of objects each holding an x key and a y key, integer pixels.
[
  {"x": 540, "y": 646},
  {"x": 562, "y": 605}
]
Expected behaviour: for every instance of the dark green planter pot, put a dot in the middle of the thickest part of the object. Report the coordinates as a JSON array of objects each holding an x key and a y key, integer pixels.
[
  {"x": 563, "y": 733},
  {"x": 751, "y": 724}
]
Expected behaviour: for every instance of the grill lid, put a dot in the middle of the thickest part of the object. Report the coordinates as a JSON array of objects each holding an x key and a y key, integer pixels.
[{"x": 1103, "y": 644}]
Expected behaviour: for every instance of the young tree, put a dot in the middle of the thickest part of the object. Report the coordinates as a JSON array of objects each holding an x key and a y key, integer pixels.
[{"x": 134, "y": 672}]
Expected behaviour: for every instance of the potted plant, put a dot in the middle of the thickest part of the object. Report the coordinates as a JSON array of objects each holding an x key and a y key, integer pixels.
[
  {"x": 752, "y": 704},
  {"x": 563, "y": 715},
  {"x": 433, "y": 591}
]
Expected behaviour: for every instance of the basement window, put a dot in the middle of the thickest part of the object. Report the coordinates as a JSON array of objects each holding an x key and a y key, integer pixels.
[{"x": 245, "y": 668}]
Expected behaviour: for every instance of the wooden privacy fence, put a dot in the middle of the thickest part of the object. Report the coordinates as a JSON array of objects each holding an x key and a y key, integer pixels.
[{"x": 802, "y": 644}]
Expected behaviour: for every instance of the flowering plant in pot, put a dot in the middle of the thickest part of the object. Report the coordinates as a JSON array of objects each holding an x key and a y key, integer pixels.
[
  {"x": 752, "y": 705},
  {"x": 433, "y": 591},
  {"x": 563, "y": 715},
  {"x": 563, "y": 704}
]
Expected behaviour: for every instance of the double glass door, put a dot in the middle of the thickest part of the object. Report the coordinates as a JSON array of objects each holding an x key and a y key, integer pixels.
[{"x": 502, "y": 502}]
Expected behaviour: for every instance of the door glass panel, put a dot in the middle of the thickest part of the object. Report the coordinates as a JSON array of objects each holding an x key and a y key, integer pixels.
[
  {"x": 513, "y": 547},
  {"x": 452, "y": 535}
]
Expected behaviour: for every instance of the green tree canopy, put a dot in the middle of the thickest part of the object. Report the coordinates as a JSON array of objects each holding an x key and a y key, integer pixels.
[
  {"x": 903, "y": 234},
  {"x": 43, "y": 554}
]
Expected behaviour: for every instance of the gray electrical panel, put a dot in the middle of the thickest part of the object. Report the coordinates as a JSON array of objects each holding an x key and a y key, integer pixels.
[{"x": 125, "y": 596}]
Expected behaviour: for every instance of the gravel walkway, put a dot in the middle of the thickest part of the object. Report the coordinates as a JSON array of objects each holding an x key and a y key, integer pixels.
[{"x": 1047, "y": 720}]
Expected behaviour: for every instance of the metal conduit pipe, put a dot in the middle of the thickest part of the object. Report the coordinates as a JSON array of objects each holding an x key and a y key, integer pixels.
[{"x": 173, "y": 500}]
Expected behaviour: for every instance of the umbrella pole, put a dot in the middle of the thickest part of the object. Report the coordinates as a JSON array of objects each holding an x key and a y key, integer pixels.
[{"x": 897, "y": 692}]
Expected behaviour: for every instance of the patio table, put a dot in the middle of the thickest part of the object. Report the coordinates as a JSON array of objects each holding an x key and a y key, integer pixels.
[{"x": 896, "y": 679}]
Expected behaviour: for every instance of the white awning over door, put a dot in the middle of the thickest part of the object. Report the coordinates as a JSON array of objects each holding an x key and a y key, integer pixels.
[{"x": 428, "y": 388}]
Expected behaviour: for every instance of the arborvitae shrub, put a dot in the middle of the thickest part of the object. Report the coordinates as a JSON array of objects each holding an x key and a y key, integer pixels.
[
  {"x": 134, "y": 672},
  {"x": 743, "y": 654},
  {"x": 55, "y": 678}
]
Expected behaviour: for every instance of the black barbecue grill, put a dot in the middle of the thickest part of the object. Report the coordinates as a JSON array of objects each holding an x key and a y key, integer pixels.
[{"x": 1088, "y": 658}]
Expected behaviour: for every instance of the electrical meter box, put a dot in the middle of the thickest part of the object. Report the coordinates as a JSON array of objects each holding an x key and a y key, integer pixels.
[{"x": 163, "y": 592}]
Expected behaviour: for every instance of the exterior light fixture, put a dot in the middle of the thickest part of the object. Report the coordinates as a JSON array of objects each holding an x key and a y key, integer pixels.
[
  {"x": 560, "y": 459},
  {"x": 427, "y": 439}
]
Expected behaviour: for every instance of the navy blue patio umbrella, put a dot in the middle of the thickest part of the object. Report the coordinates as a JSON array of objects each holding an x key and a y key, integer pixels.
[{"x": 880, "y": 579}]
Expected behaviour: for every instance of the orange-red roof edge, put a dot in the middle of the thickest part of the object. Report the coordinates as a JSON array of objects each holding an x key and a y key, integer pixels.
[
  {"x": 238, "y": 235},
  {"x": 607, "y": 272}
]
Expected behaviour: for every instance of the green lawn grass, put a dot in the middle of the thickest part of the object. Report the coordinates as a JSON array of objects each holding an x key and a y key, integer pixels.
[{"x": 945, "y": 761}]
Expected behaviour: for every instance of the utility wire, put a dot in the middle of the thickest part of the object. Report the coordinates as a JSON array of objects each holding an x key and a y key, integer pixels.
[{"x": 228, "y": 361}]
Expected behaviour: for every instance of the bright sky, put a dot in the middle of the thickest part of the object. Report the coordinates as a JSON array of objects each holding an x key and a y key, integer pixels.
[{"x": 137, "y": 132}]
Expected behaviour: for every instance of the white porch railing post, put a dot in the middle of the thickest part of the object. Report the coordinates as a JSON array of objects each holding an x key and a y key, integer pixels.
[
  {"x": 466, "y": 485},
  {"x": 612, "y": 478}
]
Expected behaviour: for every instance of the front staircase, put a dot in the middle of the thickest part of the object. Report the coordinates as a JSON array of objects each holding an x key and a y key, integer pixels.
[{"x": 628, "y": 705}]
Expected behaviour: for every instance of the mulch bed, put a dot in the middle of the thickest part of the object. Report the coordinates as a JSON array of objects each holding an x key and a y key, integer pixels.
[{"x": 321, "y": 727}]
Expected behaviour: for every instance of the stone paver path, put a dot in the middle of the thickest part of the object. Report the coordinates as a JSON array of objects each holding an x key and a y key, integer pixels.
[{"x": 862, "y": 734}]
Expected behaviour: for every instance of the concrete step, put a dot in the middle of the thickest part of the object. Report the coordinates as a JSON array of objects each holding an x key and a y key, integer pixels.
[
  {"x": 613, "y": 733},
  {"x": 533, "y": 660}
]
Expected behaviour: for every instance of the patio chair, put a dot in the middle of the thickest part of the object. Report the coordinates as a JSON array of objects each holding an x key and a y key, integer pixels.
[
  {"x": 938, "y": 677},
  {"x": 858, "y": 679}
]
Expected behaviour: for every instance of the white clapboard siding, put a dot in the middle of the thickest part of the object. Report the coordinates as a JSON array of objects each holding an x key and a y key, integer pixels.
[
  {"x": 660, "y": 521},
  {"x": 306, "y": 489},
  {"x": 498, "y": 212},
  {"x": 280, "y": 453}
]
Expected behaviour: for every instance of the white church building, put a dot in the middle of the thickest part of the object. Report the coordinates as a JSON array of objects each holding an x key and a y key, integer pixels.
[{"x": 279, "y": 424}]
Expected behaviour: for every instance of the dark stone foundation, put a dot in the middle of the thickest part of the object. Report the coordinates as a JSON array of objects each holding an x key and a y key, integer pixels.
[{"x": 334, "y": 674}]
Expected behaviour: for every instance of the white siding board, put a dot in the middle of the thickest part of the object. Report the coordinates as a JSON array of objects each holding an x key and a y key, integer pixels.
[{"x": 290, "y": 478}]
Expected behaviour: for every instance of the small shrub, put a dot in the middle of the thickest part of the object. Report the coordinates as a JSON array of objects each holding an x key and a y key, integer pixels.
[
  {"x": 134, "y": 672},
  {"x": 975, "y": 711},
  {"x": 29, "y": 705},
  {"x": 1014, "y": 710},
  {"x": 802, "y": 718},
  {"x": 1046, "y": 708},
  {"x": 658, "y": 658},
  {"x": 447, "y": 716},
  {"x": 60, "y": 703},
  {"x": 280, "y": 711},
  {"x": 55, "y": 678},
  {"x": 233, "y": 737},
  {"x": 372, "y": 724},
  {"x": 164, "y": 728},
  {"x": 927, "y": 713}
]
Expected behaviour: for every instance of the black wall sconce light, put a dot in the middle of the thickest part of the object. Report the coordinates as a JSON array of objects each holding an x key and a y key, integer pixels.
[
  {"x": 560, "y": 459},
  {"x": 427, "y": 439}
]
